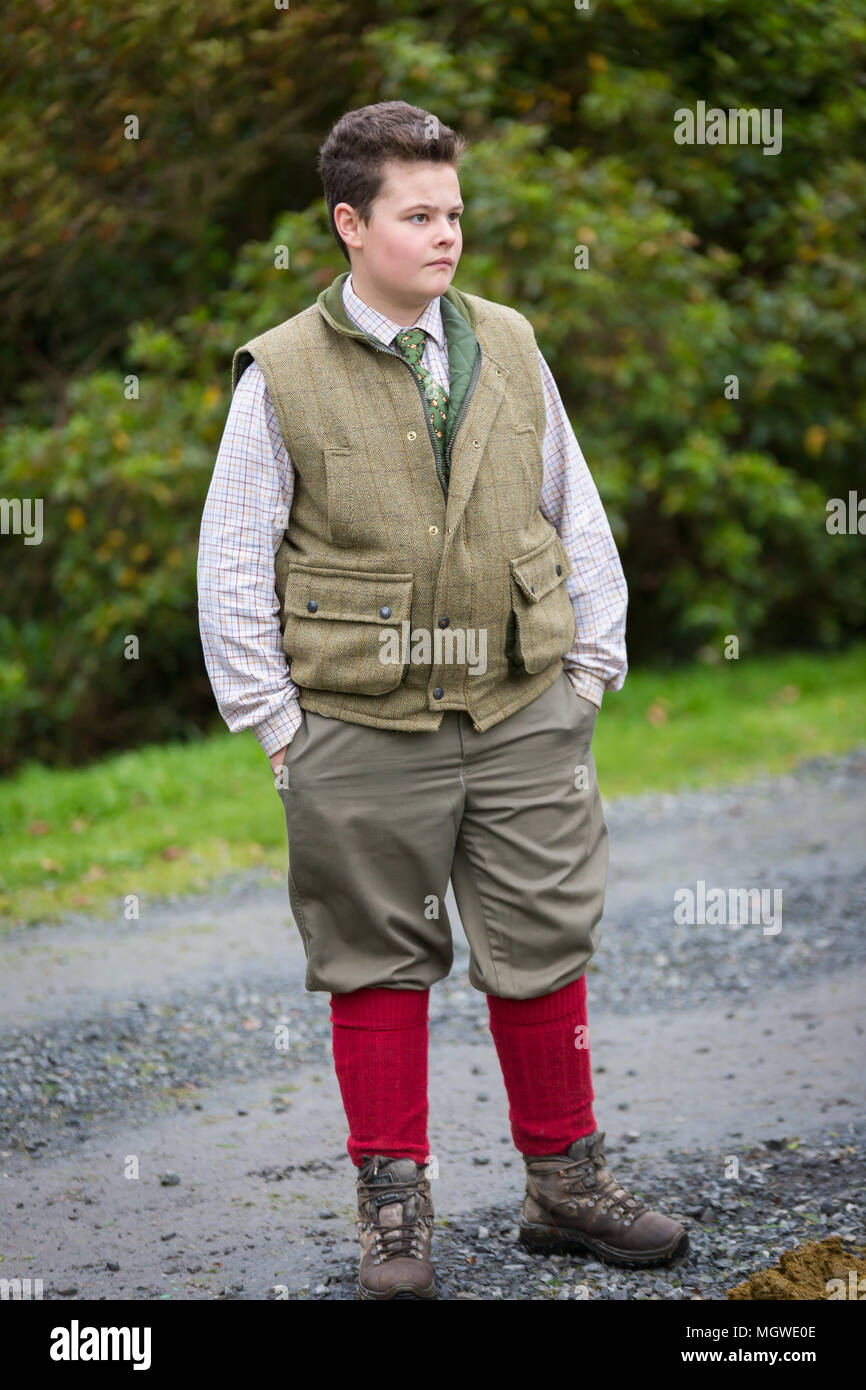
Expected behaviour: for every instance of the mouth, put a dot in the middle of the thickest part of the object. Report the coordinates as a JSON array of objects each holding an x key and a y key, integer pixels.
[{"x": 440, "y": 265}]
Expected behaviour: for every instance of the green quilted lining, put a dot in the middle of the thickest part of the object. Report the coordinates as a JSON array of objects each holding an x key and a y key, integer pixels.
[{"x": 458, "y": 319}]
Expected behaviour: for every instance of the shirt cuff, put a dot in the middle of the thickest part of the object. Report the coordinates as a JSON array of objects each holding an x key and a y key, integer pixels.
[
  {"x": 591, "y": 687},
  {"x": 277, "y": 732}
]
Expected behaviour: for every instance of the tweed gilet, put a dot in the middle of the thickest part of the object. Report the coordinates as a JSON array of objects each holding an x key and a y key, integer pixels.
[{"x": 400, "y": 598}]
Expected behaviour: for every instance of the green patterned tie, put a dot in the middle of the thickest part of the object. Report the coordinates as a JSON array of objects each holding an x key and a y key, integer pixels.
[{"x": 410, "y": 344}]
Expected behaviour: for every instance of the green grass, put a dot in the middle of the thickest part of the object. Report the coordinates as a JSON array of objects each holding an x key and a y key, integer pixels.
[
  {"x": 709, "y": 725},
  {"x": 174, "y": 819}
]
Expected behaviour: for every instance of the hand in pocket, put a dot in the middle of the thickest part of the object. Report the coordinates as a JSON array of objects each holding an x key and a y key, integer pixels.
[{"x": 276, "y": 759}]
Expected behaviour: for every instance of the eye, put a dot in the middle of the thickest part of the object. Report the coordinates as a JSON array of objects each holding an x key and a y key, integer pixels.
[{"x": 413, "y": 215}]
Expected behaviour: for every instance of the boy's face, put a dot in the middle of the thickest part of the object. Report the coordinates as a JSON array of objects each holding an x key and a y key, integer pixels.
[{"x": 399, "y": 256}]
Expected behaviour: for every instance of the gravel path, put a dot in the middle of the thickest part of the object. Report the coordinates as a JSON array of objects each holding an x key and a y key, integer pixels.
[{"x": 134, "y": 1054}]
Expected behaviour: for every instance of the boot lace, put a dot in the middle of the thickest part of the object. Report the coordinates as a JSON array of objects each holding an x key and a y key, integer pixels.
[
  {"x": 582, "y": 1175},
  {"x": 403, "y": 1238}
]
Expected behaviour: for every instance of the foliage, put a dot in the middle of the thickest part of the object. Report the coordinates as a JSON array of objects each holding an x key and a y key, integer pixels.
[
  {"x": 174, "y": 818},
  {"x": 704, "y": 262}
]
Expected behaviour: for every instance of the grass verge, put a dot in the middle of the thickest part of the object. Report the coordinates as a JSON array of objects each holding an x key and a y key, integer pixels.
[{"x": 173, "y": 819}]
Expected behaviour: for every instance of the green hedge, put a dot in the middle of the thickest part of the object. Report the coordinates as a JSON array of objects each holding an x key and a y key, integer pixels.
[
  {"x": 717, "y": 536},
  {"x": 704, "y": 263}
]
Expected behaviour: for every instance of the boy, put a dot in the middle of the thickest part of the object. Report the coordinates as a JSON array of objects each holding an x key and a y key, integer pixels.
[{"x": 400, "y": 507}]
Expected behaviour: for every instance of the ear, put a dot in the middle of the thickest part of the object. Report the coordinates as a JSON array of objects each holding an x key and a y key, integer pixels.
[{"x": 346, "y": 221}]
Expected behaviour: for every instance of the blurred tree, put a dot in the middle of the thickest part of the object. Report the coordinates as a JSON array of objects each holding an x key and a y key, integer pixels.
[
  {"x": 97, "y": 228},
  {"x": 702, "y": 265}
]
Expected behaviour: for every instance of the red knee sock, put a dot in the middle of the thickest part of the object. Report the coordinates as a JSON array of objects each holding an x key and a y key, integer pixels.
[
  {"x": 547, "y": 1078},
  {"x": 380, "y": 1039}
]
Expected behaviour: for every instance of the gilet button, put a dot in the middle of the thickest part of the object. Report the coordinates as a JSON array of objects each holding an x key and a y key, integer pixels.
[
  {"x": 443, "y": 622},
  {"x": 559, "y": 569},
  {"x": 312, "y": 605},
  {"x": 385, "y": 612},
  {"x": 438, "y": 693}
]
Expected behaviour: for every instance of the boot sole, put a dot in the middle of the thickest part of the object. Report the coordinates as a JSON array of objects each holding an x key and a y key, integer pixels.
[
  {"x": 400, "y": 1291},
  {"x": 558, "y": 1240}
]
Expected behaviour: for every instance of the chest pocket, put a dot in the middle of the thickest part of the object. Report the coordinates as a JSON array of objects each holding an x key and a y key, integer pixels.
[
  {"x": 335, "y": 621},
  {"x": 543, "y": 624},
  {"x": 530, "y": 463}
]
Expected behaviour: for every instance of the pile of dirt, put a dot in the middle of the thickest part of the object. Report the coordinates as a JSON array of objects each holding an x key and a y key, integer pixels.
[{"x": 823, "y": 1269}]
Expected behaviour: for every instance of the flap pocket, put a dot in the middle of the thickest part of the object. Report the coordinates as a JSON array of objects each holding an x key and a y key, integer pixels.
[
  {"x": 541, "y": 569},
  {"x": 359, "y": 596},
  {"x": 544, "y": 625},
  {"x": 335, "y": 621}
]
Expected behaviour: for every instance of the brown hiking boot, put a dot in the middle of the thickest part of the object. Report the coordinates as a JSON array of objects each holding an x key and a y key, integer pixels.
[
  {"x": 395, "y": 1227},
  {"x": 572, "y": 1201}
]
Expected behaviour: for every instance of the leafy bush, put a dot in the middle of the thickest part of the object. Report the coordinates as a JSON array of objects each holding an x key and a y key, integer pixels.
[{"x": 704, "y": 264}]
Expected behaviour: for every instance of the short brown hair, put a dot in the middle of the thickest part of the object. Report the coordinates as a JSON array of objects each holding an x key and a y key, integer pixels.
[{"x": 351, "y": 159}]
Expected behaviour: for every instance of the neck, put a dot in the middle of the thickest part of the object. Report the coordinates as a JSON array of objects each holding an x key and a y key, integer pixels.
[{"x": 405, "y": 314}]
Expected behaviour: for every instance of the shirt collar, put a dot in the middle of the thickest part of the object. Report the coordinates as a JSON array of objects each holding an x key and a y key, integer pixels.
[{"x": 384, "y": 328}]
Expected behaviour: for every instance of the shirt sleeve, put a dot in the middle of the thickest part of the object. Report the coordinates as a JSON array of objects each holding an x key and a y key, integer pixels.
[
  {"x": 597, "y": 587},
  {"x": 243, "y": 523}
]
